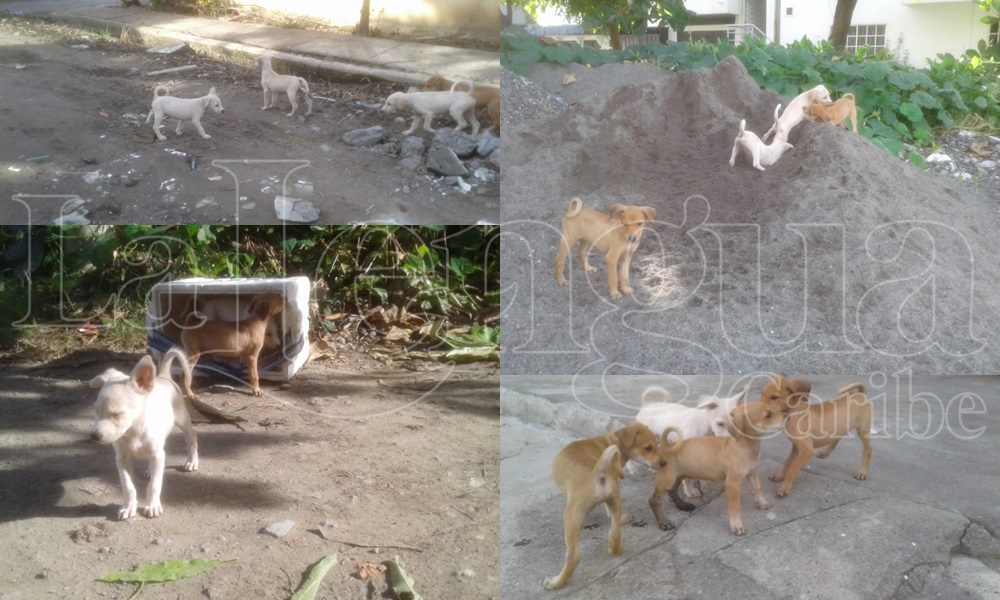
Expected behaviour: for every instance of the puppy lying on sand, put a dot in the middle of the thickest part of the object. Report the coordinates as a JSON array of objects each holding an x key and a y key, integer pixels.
[{"x": 760, "y": 154}]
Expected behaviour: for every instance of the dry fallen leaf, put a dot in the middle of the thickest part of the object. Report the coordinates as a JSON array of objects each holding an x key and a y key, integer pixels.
[
  {"x": 569, "y": 79},
  {"x": 368, "y": 570}
]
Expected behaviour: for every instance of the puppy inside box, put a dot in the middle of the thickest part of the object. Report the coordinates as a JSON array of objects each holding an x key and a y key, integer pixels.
[{"x": 170, "y": 311}]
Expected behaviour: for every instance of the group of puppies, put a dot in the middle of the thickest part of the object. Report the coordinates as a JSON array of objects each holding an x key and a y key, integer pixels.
[
  {"x": 136, "y": 412},
  {"x": 439, "y": 97},
  {"x": 811, "y": 105},
  {"x": 717, "y": 440}
]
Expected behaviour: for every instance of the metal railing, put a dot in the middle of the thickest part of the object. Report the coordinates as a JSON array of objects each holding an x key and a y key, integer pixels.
[{"x": 742, "y": 31}]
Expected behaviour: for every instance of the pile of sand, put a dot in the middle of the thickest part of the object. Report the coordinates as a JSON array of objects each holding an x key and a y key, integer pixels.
[{"x": 838, "y": 259}]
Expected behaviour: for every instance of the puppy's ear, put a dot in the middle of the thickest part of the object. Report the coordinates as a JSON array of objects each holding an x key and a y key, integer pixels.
[
  {"x": 616, "y": 210},
  {"x": 144, "y": 375},
  {"x": 649, "y": 212},
  {"x": 627, "y": 435},
  {"x": 737, "y": 421},
  {"x": 100, "y": 380},
  {"x": 402, "y": 103},
  {"x": 211, "y": 91}
]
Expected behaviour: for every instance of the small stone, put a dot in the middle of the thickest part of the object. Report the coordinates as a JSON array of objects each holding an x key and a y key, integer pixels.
[
  {"x": 938, "y": 158},
  {"x": 104, "y": 550},
  {"x": 406, "y": 189},
  {"x": 161, "y": 542},
  {"x": 206, "y": 548},
  {"x": 476, "y": 482},
  {"x": 484, "y": 174},
  {"x": 328, "y": 523},
  {"x": 364, "y": 137},
  {"x": 988, "y": 165},
  {"x": 465, "y": 574},
  {"x": 966, "y": 133},
  {"x": 444, "y": 161},
  {"x": 459, "y": 142},
  {"x": 412, "y": 146},
  {"x": 488, "y": 143},
  {"x": 412, "y": 163},
  {"x": 279, "y": 529},
  {"x": 291, "y": 209}
]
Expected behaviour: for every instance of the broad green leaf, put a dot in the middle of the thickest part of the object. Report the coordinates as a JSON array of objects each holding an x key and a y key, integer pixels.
[
  {"x": 902, "y": 80},
  {"x": 309, "y": 587},
  {"x": 917, "y": 160},
  {"x": 893, "y": 147},
  {"x": 980, "y": 101},
  {"x": 400, "y": 582},
  {"x": 562, "y": 55},
  {"x": 172, "y": 570},
  {"x": 911, "y": 111},
  {"x": 924, "y": 100}
]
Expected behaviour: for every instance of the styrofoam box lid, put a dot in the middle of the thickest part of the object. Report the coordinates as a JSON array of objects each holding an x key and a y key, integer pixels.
[{"x": 278, "y": 366}]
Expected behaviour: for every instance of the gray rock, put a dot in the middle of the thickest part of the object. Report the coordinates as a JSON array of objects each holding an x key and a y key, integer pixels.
[
  {"x": 484, "y": 174},
  {"x": 412, "y": 146},
  {"x": 279, "y": 529},
  {"x": 412, "y": 163},
  {"x": 444, "y": 161},
  {"x": 364, "y": 137},
  {"x": 988, "y": 165},
  {"x": 459, "y": 142},
  {"x": 299, "y": 211},
  {"x": 487, "y": 144},
  {"x": 494, "y": 158}
]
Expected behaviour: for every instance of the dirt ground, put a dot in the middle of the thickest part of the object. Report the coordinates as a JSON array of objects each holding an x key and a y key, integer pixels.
[
  {"x": 838, "y": 259},
  {"x": 84, "y": 108},
  {"x": 379, "y": 455}
]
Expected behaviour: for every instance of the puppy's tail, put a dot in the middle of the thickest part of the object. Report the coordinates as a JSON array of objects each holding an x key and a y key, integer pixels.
[
  {"x": 777, "y": 109},
  {"x": 743, "y": 126},
  {"x": 852, "y": 388},
  {"x": 156, "y": 91},
  {"x": 166, "y": 363},
  {"x": 666, "y": 446},
  {"x": 468, "y": 83},
  {"x": 848, "y": 95},
  {"x": 655, "y": 393},
  {"x": 304, "y": 85},
  {"x": 575, "y": 206},
  {"x": 607, "y": 457}
]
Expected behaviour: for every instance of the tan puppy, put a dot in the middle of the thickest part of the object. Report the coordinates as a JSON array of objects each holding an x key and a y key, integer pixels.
[
  {"x": 616, "y": 235},
  {"x": 232, "y": 309},
  {"x": 729, "y": 459},
  {"x": 426, "y": 105},
  {"x": 835, "y": 113},
  {"x": 135, "y": 414},
  {"x": 486, "y": 97},
  {"x": 760, "y": 154},
  {"x": 242, "y": 339},
  {"x": 812, "y": 426},
  {"x": 785, "y": 394},
  {"x": 795, "y": 112},
  {"x": 182, "y": 109},
  {"x": 290, "y": 84},
  {"x": 587, "y": 473}
]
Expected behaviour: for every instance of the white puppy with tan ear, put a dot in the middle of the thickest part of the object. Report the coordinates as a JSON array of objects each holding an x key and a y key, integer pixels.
[
  {"x": 759, "y": 153},
  {"x": 290, "y": 84},
  {"x": 182, "y": 109},
  {"x": 135, "y": 414},
  {"x": 795, "y": 112},
  {"x": 460, "y": 105}
]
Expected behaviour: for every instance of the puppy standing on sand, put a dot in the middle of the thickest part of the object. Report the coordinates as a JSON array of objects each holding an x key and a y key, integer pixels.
[
  {"x": 290, "y": 84},
  {"x": 135, "y": 413},
  {"x": 460, "y": 105},
  {"x": 615, "y": 234},
  {"x": 486, "y": 97},
  {"x": 182, "y": 109},
  {"x": 795, "y": 112},
  {"x": 242, "y": 339},
  {"x": 587, "y": 473},
  {"x": 812, "y": 426},
  {"x": 760, "y": 154},
  {"x": 836, "y": 113},
  {"x": 730, "y": 459}
]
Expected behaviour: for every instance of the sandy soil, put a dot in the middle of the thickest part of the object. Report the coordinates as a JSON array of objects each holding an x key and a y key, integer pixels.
[
  {"x": 85, "y": 109},
  {"x": 837, "y": 259},
  {"x": 382, "y": 456}
]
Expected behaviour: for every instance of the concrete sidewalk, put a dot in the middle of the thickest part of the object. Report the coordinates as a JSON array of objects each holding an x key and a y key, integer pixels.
[
  {"x": 400, "y": 62},
  {"x": 924, "y": 525}
]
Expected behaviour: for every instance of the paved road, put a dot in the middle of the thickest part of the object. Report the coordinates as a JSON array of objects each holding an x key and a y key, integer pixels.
[{"x": 923, "y": 526}]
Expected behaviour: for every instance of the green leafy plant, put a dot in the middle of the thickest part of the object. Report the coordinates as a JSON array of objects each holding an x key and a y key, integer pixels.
[{"x": 171, "y": 570}]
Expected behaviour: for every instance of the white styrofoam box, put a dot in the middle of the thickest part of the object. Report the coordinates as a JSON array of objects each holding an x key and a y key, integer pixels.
[{"x": 170, "y": 303}]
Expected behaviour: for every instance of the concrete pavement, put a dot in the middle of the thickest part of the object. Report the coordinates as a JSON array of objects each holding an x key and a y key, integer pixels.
[
  {"x": 924, "y": 525},
  {"x": 401, "y": 62}
]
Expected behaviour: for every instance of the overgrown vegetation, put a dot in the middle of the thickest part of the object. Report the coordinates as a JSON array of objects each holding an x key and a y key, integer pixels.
[
  {"x": 897, "y": 104},
  {"x": 103, "y": 275}
]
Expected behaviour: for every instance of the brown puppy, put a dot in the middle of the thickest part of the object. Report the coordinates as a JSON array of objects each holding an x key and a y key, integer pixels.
[
  {"x": 729, "y": 459},
  {"x": 835, "y": 113},
  {"x": 616, "y": 235},
  {"x": 486, "y": 97},
  {"x": 786, "y": 394},
  {"x": 812, "y": 426},
  {"x": 242, "y": 339},
  {"x": 587, "y": 473}
]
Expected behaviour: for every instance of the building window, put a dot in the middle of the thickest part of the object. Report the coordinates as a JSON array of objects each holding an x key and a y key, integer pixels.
[
  {"x": 788, "y": 11},
  {"x": 872, "y": 36},
  {"x": 994, "y": 38}
]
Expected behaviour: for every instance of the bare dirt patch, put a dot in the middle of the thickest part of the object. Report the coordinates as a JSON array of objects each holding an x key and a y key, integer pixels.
[
  {"x": 382, "y": 455},
  {"x": 840, "y": 258},
  {"x": 77, "y": 102}
]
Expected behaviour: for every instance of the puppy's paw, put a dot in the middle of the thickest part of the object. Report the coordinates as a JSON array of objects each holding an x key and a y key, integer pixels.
[
  {"x": 758, "y": 167},
  {"x": 666, "y": 524},
  {"x": 560, "y": 281},
  {"x": 206, "y": 137},
  {"x": 737, "y": 527},
  {"x": 784, "y": 491},
  {"x": 778, "y": 477},
  {"x": 763, "y": 505},
  {"x": 861, "y": 476},
  {"x": 615, "y": 295},
  {"x": 552, "y": 583},
  {"x": 127, "y": 511},
  {"x": 191, "y": 465},
  {"x": 258, "y": 392},
  {"x": 627, "y": 291},
  {"x": 153, "y": 510},
  {"x": 590, "y": 269},
  {"x": 823, "y": 455},
  {"x": 692, "y": 492}
]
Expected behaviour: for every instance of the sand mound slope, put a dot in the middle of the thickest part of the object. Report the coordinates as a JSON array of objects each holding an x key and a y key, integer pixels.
[{"x": 837, "y": 259}]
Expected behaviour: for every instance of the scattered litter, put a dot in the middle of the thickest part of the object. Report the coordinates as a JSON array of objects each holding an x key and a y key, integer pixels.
[
  {"x": 104, "y": 114},
  {"x": 173, "y": 70},
  {"x": 315, "y": 128},
  {"x": 175, "y": 152},
  {"x": 37, "y": 158},
  {"x": 219, "y": 388},
  {"x": 71, "y": 219},
  {"x": 135, "y": 156},
  {"x": 210, "y": 201},
  {"x": 168, "y": 49},
  {"x": 465, "y": 574},
  {"x": 369, "y": 570},
  {"x": 937, "y": 157},
  {"x": 323, "y": 98},
  {"x": 279, "y": 529},
  {"x": 465, "y": 187},
  {"x": 134, "y": 119},
  {"x": 249, "y": 206},
  {"x": 569, "y": 79},
  {"x": 304, "y": 188},
  {"x": 80, "y": 46},
  {"x": 476, "y": 482},
  {"x": 91, "y": 176},
  {"x": 291, "y": 209},
  {"x": 169, "y": 185},
  {"x": 215, "y": 178},
  {"x": 325, "y": 147},
  {"x": 194, "y": 163},
  {"x": 18, "y": 66},
  {"x": 372, "y": 105}
]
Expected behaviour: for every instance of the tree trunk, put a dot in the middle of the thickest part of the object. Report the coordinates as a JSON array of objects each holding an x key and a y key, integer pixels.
[
  {"x": 842, "y": 22},
  {"x": 366, "y": 9},
  {"x": 616, "y": 39},
  {"x": 508, "y": 20}
]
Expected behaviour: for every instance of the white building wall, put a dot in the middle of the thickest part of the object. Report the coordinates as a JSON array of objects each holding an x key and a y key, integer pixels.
[{"x": 928, "y": 27}]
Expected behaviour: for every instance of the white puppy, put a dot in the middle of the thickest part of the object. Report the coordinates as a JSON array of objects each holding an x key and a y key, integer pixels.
[
  {"x": 757, "y": 151},
  {"x": 135, "y": 413},
  {"x": 290, "y": 84},
  {"x": 182, "y": 109},
  {"x": 795, "y": 112},
  {"x": 460, "y": 105},
  {"x": 232, "y": 309},
  {"x": 711, "y": 416}
]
